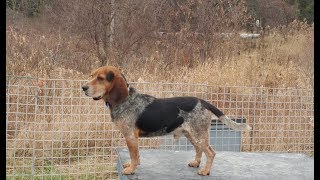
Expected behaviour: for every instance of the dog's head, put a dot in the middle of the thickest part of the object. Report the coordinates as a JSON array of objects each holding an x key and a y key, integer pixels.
[{"x": 107, "y": 83}]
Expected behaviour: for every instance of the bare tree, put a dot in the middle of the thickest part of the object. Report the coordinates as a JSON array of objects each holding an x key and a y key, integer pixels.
[{"x": 178, "y": 30}]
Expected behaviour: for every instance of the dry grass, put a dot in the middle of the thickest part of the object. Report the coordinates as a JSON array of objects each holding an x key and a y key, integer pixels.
[
  {"x": 276, "y": 60},
  {"x": 283, "y": 57}
]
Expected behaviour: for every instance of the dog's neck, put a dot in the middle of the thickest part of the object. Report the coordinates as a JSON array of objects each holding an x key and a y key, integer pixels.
[
  {"x": 119, "y": 99},
  {"x": 115, "y": 100},
  {"x": 129, "y": 104}
]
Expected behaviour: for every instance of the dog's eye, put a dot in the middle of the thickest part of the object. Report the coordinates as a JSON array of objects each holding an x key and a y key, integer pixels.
[{"x": 100, "y": 78}]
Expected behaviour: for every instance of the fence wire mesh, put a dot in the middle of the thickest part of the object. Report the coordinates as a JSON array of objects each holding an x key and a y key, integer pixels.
[{"x": 53, "y": 131}]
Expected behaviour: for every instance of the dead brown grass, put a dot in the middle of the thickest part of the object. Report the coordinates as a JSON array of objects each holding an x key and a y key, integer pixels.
[
  {"x": 276, "y": 60},
  {"x": 283, "y": 57}
]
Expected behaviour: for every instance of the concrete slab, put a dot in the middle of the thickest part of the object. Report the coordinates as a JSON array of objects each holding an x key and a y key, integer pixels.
[{"x": 164, "y": 164}]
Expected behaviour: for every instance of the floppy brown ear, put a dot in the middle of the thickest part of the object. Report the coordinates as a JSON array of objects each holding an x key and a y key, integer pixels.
[
  {"x": 119, "y": 91},
  {"x": 125, "y": 79}
]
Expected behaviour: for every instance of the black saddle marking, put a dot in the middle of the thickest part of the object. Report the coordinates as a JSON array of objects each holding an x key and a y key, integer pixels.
[{"x": 163, "y": 114}]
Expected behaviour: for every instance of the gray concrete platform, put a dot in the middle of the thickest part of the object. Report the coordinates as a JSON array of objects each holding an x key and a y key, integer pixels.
[{"x": 163, "y": 164}]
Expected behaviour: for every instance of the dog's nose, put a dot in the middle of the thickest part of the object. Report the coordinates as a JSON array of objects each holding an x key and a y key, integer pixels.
[{"x": 84, "y": 88}]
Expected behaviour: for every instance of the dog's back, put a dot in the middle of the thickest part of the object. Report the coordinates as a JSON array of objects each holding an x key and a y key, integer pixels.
[{"x": 161, "y": 116}]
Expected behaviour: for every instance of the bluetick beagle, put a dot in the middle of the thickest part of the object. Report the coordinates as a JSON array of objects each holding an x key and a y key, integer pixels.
[{"x": 141, "y": 115}]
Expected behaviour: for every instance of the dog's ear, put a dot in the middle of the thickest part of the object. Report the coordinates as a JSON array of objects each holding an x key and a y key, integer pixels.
[
  {"x": 125, "y": 79},
  {"x": 119, "y": 90},
  {"x": 110, "y": 76}
]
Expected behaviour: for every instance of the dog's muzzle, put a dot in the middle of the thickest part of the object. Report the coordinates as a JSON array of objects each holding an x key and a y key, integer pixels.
[{"x": 85, "y": 88}]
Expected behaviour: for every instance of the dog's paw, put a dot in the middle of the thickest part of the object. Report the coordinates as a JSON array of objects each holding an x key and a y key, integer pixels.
[
  {"x": 127, "y": 164},
  {"x": 203, "y": 172},
  {"x": 128, "y": 171},
  {"x": 194, "y": 164}
]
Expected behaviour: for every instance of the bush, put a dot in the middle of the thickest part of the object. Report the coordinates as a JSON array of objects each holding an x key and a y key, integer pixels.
[
  {"x": 30, "y": 7},
  {"x": 306, "y": 10}
]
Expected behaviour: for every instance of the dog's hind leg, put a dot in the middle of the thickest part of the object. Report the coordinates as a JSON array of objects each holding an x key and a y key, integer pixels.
[
  {"x": 209, "y": 152},
  {"x": 196, "y": 162}
]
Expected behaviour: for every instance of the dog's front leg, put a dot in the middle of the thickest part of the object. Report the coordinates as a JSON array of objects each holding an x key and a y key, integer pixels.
[{"x": 132, "y": 143}]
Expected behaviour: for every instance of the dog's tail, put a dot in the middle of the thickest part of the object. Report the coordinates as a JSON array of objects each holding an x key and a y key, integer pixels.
[{"x": 224, "y": 119}]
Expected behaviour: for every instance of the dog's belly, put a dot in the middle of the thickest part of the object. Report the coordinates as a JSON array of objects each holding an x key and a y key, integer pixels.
[{"x": 161, "y": 132}]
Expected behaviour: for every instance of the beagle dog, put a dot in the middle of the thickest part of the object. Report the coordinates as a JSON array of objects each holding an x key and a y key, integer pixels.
[{"x": 141, "y": 115}]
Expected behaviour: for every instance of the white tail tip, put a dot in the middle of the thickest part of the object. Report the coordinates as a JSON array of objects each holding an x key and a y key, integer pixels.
[{"x": 234, "y": 125}]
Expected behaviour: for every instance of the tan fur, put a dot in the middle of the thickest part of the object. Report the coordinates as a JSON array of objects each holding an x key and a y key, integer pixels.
[{"x": 113, "y": 92}]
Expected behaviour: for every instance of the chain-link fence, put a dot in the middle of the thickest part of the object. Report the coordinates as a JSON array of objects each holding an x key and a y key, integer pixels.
[{"x": 53, "y": 131}]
